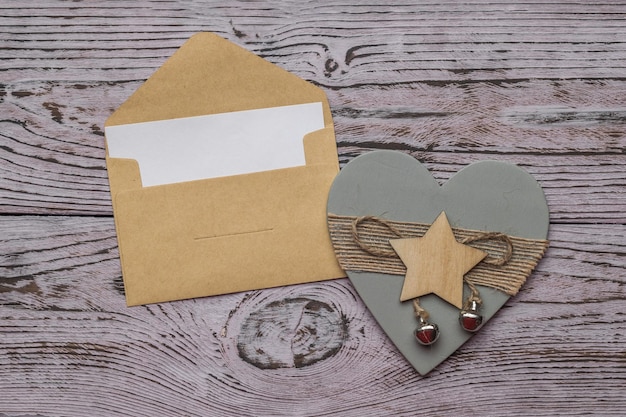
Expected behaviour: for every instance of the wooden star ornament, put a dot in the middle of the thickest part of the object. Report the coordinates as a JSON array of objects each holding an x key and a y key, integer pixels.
[{"x": 436, "y": 263}]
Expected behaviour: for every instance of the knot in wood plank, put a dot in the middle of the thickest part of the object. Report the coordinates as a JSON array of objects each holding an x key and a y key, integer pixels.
[{"x": 291, "y": 333}]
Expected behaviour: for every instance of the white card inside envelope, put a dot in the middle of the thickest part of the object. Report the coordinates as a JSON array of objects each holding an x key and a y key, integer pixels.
[{"x": 217, "y": 145}]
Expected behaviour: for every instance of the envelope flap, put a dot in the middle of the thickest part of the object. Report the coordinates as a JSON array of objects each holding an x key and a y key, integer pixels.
[
  {"x": 210, "y": 75},
  {"x": 123, "y": 175},
  {"x": 320, "y": 148}
]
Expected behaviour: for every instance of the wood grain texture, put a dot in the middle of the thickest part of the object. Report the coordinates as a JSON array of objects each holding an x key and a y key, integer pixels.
[
  {"x": 70, "y": 345},
  {"x": 540, "y": 84}
]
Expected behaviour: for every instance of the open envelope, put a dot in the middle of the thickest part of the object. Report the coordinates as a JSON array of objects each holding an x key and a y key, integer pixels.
[{"x": 228, "y": 234}]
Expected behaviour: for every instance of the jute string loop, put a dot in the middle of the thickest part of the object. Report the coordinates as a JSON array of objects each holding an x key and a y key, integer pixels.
[
  {"x": 474, "y": 295},
  {"x": 491, "y": 260},
  {"x": 371, "y": 249},
  {"x": 420, "y": 312}
]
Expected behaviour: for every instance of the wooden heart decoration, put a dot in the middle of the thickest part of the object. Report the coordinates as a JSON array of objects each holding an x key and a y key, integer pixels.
[{"x": 487, "y": 196}]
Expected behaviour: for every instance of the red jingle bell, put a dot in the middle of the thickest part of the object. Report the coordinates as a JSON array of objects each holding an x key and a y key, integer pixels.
[
  {"x": 427, "y": 333},
  {"x": 470, "y": 319}
]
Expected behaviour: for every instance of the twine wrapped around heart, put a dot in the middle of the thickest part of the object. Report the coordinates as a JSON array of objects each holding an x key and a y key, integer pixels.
[{"x": 362, "y": 244}]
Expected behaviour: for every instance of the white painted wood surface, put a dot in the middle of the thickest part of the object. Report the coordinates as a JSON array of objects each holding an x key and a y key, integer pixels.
[{"x": 540, "y": 84}]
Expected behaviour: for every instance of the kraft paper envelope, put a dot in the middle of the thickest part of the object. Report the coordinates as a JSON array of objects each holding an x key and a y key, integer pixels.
[{"x": 229, "y": 234}]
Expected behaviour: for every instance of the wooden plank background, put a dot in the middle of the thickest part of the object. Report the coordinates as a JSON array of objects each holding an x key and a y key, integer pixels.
[{"x": 537, "y": 83}]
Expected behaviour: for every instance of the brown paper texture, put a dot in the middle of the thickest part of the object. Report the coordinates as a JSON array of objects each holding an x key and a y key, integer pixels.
[{"x": 228, "y": 234}]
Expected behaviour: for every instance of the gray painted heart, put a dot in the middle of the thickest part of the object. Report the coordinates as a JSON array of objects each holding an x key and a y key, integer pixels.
[{"x": 489, "y": 195}]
